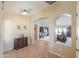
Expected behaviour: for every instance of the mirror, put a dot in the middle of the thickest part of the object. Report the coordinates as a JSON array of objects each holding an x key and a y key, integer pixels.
[{"x": 63, "y": 30}]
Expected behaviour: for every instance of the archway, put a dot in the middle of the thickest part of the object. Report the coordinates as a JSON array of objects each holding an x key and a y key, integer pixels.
[{"x": 41, "y": 29}]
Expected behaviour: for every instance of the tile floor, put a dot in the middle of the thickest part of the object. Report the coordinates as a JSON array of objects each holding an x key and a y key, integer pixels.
[{"x": 38, "y": 50}]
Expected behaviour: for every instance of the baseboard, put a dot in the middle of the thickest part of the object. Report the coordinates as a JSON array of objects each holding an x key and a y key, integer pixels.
[
  {"x": 7, "y": 50},
  {"x": 57, "y": 54}
]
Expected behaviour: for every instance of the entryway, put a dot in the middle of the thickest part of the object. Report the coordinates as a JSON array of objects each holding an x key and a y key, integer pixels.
[{"x": 41, "y": 29}]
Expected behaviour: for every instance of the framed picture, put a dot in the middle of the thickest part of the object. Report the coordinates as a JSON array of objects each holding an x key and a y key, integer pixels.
[
  {"x": 25, "y": 27},
  {"x": 18, "y": 27}
]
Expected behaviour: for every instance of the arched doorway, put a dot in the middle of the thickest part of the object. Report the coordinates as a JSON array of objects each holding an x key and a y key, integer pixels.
[{"x": 41, "y": 29}]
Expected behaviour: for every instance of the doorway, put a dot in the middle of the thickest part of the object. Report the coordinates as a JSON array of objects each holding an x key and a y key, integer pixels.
[{"x": 41, "y": 29}]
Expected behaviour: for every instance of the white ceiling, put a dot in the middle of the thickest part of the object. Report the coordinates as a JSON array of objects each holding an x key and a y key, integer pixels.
[
  {"x": 63, "y": 20},
  {"x": 42, "y": 22},
  {"x": 15, "y": 7}
]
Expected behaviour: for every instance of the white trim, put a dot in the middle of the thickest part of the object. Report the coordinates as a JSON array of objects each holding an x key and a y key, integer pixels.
[
  {"x": 57, "y": 54},
  {"x": 8, "y": 49}
]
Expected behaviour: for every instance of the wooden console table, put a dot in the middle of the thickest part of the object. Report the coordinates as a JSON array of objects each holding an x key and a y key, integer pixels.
[{"x": 20, "y": 43}]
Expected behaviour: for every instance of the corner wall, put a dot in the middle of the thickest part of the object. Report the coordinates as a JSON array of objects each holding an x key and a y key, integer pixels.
[
  {"x": 1, "y": 35},
  {"x": 10, "y": 29}
]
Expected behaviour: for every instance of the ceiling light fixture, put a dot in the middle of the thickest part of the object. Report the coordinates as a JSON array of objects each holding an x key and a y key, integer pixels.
[{"x": 24, "y": 12}]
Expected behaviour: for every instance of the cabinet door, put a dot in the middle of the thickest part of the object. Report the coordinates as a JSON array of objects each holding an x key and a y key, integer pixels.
[
  {"x": 23, "y": 42},
  {"x": 26, "y": 41},
  {"x": 15, "y": 44},
  {"x": 20, "y": 43}
]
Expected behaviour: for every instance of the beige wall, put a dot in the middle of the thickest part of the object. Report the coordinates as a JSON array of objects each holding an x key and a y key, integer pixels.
[
  {"x": 51, "y": 13},
  {"x": 1, "y": 35},
  {"x": 11, "y": 31}
]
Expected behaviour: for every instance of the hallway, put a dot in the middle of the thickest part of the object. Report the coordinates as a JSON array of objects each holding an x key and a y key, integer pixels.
[
  {"x": 52, "y": 25},
  {"x": 38, "y": 50}
]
